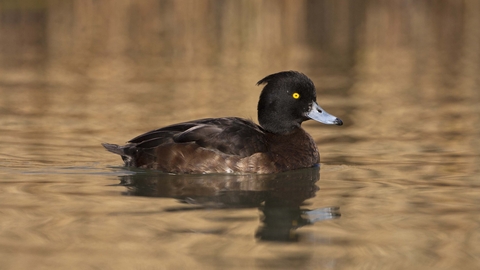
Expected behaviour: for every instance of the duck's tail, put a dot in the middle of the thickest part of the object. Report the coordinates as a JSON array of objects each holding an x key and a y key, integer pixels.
[
  {"x": 116, "y": 149},
  {"x": 125, "y": 151}
]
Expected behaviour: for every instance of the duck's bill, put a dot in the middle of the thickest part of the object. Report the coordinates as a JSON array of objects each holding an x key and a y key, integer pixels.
[{"x": 318, "y": 114}]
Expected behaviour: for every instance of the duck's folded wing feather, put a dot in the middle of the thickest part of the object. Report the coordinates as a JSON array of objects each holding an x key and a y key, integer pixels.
[{"x": 233, "y": 136}]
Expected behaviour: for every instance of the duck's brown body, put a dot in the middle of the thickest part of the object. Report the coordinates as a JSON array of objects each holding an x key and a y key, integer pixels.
[{"x": 201, "y": 147}]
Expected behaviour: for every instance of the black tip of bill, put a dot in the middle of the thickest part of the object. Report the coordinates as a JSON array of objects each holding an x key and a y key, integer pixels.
[{"x": 338, "y": 122}]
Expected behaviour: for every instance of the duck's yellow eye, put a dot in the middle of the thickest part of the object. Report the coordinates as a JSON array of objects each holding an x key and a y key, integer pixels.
[{"x": 296, "y": 95}]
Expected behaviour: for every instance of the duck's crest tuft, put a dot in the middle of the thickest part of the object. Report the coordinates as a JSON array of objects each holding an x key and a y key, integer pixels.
[{"x": 281, "y": 75}]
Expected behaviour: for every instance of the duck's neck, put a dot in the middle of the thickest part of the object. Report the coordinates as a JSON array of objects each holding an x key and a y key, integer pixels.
[
  {"x": 277, "y": 126},
  {"x": 297, "y": 148}
]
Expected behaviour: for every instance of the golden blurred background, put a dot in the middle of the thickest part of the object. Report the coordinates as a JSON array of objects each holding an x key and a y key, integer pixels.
[{"x": 123, "y": 41}]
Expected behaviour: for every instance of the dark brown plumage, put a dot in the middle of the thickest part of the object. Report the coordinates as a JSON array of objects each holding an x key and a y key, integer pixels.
[{"x": 235, "y": 145}]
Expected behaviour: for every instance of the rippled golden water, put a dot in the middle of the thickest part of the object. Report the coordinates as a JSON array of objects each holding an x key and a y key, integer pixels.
[{"x": 398, "y": 186}]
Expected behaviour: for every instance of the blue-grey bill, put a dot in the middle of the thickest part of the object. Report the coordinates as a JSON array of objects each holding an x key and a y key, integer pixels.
[{"x": 318, "y": 114}]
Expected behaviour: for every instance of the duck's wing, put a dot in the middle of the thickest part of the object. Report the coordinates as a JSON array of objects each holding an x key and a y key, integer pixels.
[
  {"x": 233, "y": 136},
  {"x": 229, "y": 135}
]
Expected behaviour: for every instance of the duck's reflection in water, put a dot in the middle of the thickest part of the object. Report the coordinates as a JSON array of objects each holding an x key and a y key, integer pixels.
[{"x": 279, "y": 197}]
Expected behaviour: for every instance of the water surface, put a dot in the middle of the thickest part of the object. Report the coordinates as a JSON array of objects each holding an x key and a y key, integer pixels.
[{"x": 398, "y": 186}]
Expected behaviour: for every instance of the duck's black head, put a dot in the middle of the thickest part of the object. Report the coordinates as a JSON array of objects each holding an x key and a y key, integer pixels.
[{"x": 288, "y": 99}]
